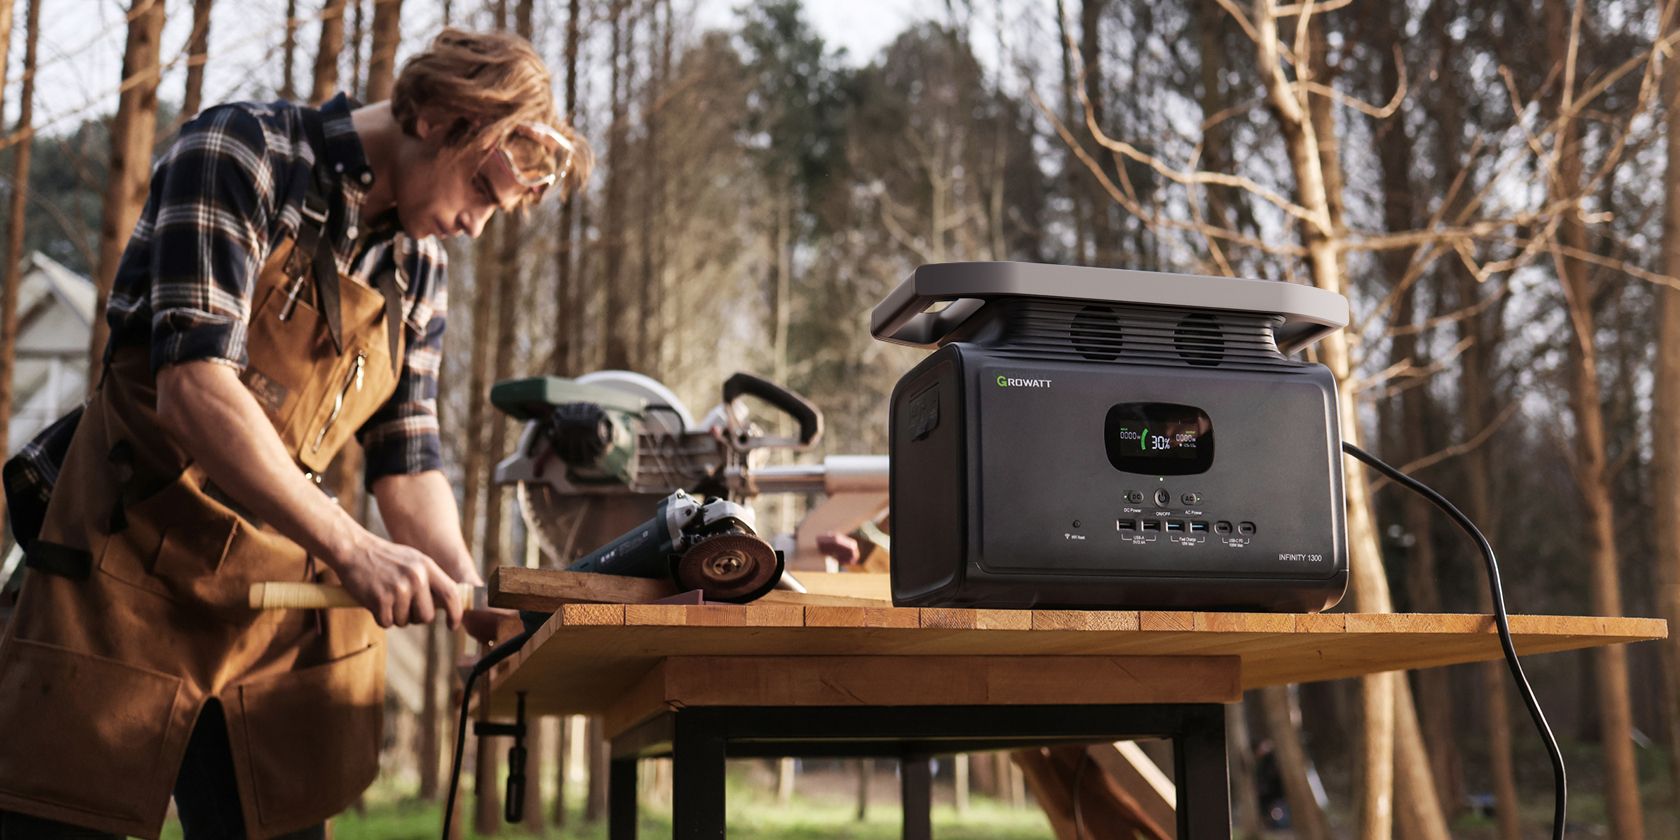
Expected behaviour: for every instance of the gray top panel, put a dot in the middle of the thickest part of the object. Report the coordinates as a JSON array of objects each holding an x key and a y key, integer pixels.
[{"x": 1308, "y": 313}]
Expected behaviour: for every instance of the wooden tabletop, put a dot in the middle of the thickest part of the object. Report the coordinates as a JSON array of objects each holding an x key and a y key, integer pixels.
[{"x": 589, "y": 658}]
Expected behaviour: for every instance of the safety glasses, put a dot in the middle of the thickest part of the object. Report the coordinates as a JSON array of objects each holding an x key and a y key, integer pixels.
[{"x": 535, "y": 156}]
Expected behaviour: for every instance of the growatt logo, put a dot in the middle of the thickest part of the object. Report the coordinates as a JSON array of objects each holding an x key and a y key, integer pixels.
[{"x": 1012, "y": 382}]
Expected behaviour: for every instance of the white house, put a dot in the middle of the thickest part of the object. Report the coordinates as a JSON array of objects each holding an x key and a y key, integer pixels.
[{"x": 55, "y": 322}]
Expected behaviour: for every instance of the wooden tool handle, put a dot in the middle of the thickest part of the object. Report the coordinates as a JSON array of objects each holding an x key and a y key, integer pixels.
[{"x": 277, "y": 595}]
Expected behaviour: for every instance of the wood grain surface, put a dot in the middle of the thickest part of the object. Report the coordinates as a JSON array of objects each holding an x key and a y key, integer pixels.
[{"x": 588, "y": 656}]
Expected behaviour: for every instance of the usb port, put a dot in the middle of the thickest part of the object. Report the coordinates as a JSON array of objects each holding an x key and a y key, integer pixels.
[
  {"x": 1175, "y": 525},
  {"x": 1125, "y": 525},
  {"x": 1198, "y": 527},
  {"x": 1151, "y": 524}
]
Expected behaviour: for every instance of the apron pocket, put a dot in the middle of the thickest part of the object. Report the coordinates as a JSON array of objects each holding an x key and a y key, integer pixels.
[
  {"x": 309, "y": 738},
  {"x": 85, "y": 732},
  {"x": 174, "y": 539},
  {"x": 194, "y": 550}
]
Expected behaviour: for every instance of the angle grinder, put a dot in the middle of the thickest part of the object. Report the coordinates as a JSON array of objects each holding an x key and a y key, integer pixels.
[{"x": 711, "y": 547}]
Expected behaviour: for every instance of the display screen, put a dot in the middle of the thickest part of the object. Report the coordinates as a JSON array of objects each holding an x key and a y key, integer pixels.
[{"x": 1158, "y": 438}]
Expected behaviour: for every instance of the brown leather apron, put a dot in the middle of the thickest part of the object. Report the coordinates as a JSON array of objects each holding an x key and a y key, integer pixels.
[{"x": 102, "y": 679}]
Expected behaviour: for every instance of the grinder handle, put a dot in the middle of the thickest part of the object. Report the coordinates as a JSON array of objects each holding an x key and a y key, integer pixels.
[
  {"x": 286, "y": 595},
  {"x": 795, "y": 406}
]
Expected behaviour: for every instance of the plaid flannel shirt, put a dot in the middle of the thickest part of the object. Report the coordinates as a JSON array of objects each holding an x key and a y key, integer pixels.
[{"x": 228, "y": 190}]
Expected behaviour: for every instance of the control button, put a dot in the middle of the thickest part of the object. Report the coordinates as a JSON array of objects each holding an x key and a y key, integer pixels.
[
  {"x": 1163, "y": 497},
  {"x": 1245, "y": 528},
  {"x": 1076, "y": 523},
  {"x": 1191, "y": 498},
  {"x": 1222, "y": 527},
  {"x": 1134, "y": 497}
]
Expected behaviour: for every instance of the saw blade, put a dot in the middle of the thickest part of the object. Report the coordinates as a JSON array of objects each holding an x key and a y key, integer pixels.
[{"x": 729, "y": 567}]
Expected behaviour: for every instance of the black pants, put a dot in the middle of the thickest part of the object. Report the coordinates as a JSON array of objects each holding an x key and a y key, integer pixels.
[{"x": 206, "y": 797}]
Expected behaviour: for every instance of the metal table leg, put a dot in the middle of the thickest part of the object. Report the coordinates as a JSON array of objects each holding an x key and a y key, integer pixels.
[
  {"x": 697, "y": 747},
  {"x": 915, "y": 777},
  {"x": 621, "y": 799},
  {"x": 1199, "y": 768}
]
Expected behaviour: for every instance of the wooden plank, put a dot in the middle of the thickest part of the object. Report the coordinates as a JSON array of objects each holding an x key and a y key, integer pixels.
[
  {"x": 945, "y": 681},
  {"x": 966, "y": 619},
  {"x": 587, "y": 656},
  {"x": 1086, "y": 620},
  {"x": 804, "y": 599},
  {"x": 863, "y": 585},
  {"x": 645, "y": 700},
  {"x": 1155, "y": 621},
  {"x": 820, "y": 616},
  {"x": 519, "y": 588},
  {"x": 1321, "y": 623},
  {"x": 590, "y": 615}
]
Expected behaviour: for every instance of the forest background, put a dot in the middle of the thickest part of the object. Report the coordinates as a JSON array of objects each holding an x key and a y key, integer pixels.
[{"x": 1487, "y": 181}]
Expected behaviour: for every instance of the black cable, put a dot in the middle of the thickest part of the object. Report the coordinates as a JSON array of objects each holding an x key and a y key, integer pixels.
[
  {"x": 1559, "y": 777},
  {"x": 484, "y": 663}
]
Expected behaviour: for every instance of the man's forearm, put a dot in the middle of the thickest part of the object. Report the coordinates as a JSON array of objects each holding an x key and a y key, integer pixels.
[
  {"x": 215, "y": 419},
  {"x": 419, "y": 511}
]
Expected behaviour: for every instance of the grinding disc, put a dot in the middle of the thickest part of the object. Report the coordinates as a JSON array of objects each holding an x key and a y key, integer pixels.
[{"x": 729, "y": 567}]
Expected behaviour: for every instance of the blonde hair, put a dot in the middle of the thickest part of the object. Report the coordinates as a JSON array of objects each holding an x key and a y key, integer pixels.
[{"x": 478, "y": 86}]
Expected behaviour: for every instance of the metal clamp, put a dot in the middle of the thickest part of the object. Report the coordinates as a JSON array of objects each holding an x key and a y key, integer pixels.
[{"x": 514, "y": 805}]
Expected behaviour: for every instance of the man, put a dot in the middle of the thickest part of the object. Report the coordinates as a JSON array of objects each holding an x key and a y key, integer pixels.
[{"x": 283, "y": 290}]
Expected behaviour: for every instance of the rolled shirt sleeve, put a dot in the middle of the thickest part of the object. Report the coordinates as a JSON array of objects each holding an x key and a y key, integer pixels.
[
  {"x": 213, "y": 196},
  {"x": 401, "y": 438}
]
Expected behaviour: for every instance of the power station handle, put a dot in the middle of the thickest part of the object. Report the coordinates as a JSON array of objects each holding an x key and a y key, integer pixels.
[
  {"x": 920, "y": 320},
  {"x": 809, "y": 418},
  {"x": 278, "y": 595}
]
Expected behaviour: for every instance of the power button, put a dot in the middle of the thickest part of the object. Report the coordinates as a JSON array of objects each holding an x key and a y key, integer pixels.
[{"x": 1163, "y": 497}]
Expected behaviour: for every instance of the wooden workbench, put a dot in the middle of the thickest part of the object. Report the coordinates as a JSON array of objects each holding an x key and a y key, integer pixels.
[{"x": 644, "y": 667}]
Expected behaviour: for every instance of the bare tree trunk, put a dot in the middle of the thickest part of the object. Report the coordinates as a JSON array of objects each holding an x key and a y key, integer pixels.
[
  {"x": 1104, "y": 237},
  {"x": 1592, "y": 472},
  {"x": 615, "y": 341},
  {"x": 1665, "y": 420},
  {"x": 288, "y": 62},
  {"x": 132, "y": 133},
  {"x": 198, "y": 51},
  {"x": 595, "y": 806},
  {"x": 326, "y": 56},
  {"x": 508, "y": 299},
  {"x": 1446, "y": 777},
  {"x": 1283, "y": 724},
  {"x": 1245, "y": 795},
  {"x": 1493, "y": 676},
  {"x": 1071, "y": 169},
  {"x": 1369, "y": 587},
  {"x": 430, "y": 747},
  {"x": 15, "y": 224},
  {"x": 782, "y": 289},
  {"x": 358, "y": 36},
  {"x": 535, "y": 821},
  {"x": 568, "y": 299},
  {"x": 562, "y": 770},
  {"x": 382, "y": 59},
  {"x": 474, "y": 471},
  {"x": 865, "y": 766}
]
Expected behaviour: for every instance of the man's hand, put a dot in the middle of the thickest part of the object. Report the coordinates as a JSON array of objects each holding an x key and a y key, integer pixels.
[{"x": 398, "y": 584}]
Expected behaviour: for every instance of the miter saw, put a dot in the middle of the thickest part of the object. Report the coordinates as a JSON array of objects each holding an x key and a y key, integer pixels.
[{"x": 600, "y": 452}]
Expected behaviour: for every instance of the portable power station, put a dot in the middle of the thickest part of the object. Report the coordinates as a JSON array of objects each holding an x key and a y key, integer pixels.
[{"x": 1088, "y": 438}]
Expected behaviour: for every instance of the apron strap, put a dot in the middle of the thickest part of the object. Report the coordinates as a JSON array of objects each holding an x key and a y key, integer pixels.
[
  {"x": 393, "y": 318},
  {"x": 321, "y": 219}
]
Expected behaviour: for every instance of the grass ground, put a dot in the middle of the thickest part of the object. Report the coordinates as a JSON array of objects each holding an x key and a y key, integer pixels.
[{"x": 824, "y": 807}]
